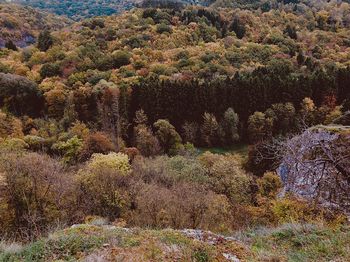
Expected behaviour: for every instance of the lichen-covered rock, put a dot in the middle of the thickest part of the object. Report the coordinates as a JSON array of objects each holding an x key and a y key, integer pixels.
[{"x": 316, "y": 165}]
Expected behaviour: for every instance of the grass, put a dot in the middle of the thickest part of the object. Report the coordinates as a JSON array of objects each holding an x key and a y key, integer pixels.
[
  {"x": 295, "y": 242},
  {"x": 290, "y": 242},
  {"x": 240, "y": 149},
  {"x": 116, "y": 244}
]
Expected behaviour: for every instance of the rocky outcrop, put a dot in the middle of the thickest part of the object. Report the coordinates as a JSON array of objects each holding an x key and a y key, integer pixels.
[{"x": 316, "y": 165}]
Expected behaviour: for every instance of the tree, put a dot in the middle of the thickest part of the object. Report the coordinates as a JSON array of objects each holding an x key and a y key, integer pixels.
[
  {"x": 20, "y": 95},
  {"x": 108, "y": 108},
  {"x": 238, "y": 28},
  {"x": 259, "y": 127},
  {"x": 291, "y": 31},
  {"x": 96, "y": 143},
  {"x": 209, "y": 129},
  {"x": 50, "y": 70},
  {"x": 163, "y": 28},
  {"x": 283, "y": 116},
  {"x": 70, "y": 149},
  {"x": 10, "y": 45},
  {"x": 146, "y": 142},
  {"x": 307, "y": 112},
  {"x": 45, "y": 40},
  {"x": 229, "y": 127},
  {"x": 56, "y": 102},
  {"x": 121, "y": 58},
  {"x": 140, "y": 118},
  {"x": 190, "y": 132},
  {"x": 301, "y": 58},
  {"x": 168, "y": 137},
  {"x": 228, "y": 178}
]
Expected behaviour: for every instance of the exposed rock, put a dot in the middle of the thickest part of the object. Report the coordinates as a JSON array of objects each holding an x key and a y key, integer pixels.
[{"x": 316, "y": 165}]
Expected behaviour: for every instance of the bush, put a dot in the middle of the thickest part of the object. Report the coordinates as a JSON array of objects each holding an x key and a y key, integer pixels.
[
  {"x": 121, "y": 58},
  {"x": 114, "y": 161},
  {"x": 50, "y": 70},
  {"x": 102, "y": 185},
  {"x": 163, "y": 28},
  {"x": 96, "y": 143},
  {"x": 70, "y": 149},
  {"x": 36, "y": 192},
  {"x": 269, "y": 185}
]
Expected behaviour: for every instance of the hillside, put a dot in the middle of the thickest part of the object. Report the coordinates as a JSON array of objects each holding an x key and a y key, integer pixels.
[
  {"x": 81, "y": 9},
  {"x": 77, "y": 10},
  {"x": 220, "y": 119},
  {"x": 23, "y": 24}
]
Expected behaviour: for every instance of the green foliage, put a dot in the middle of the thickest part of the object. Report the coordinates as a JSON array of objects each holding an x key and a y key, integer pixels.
[
  {"x": 168, "y": 138},
  {"x": 45, "y": 40},
  {"x": 238, "y": 28},
  {"x": 228, "y": 129},
  {"x": 269, "y": 185},
  {"x": 163, "y": 28},
  {"x": 114, "y": 161},
  {"x": 70, "y": 149},
  {"x": 50, "y": 70},
  {"x": 76, "y": 94},
  {"x": 259, "y": 126},
  {"x": 209, "y": 129},
  {"x": 20, "y": 95},
  {"x": 200, "y": 256},
  {"x": 121, "y": 58}
]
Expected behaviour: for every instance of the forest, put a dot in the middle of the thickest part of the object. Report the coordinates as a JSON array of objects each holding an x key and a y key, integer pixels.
[{"x": 225, "y": 117}]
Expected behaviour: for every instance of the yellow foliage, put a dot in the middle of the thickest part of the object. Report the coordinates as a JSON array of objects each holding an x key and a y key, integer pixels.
[{"x": 114, "y": 161}]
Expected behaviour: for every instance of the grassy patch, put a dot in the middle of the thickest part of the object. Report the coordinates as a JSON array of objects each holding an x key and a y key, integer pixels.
[
  {"x": 299, "y": 243},
  {"x": 171, "y": 237},
  {"x": 241, "y": 149}
]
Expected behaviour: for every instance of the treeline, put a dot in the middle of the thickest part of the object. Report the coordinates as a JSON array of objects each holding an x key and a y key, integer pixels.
[{"x": 181, "y": 101}]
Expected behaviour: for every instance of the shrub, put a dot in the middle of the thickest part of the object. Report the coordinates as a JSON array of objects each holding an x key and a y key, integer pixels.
[
  {"x": 50, "y": 70},
  {"x": 113, "y": 161},
  {"x": 70, "y": 149},
  {"x": 34, "y": 194},
  {"x": 121, "y": 58},
  {"x": 96, "y": 143},
  {"x": 269, "y": 185},
  {"x": 102, "y": 185},
  {"x": 163, "y": 28}
]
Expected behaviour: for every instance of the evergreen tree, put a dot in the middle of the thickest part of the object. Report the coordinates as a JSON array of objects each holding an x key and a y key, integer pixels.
[
  {"x": 45, "y": 40},
  {"x": 209, "y": 129},
  {"x": 229, "y": 127}
]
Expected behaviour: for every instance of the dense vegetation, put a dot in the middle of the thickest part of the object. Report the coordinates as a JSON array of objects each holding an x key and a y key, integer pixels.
[
  {"x": 111, "y": 118},
  {"x": 81, "y": 9},
  {"x": 21, "y": 25}
]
